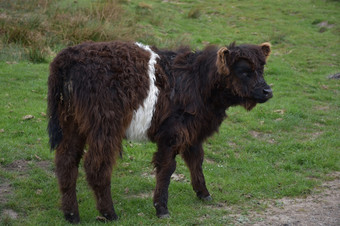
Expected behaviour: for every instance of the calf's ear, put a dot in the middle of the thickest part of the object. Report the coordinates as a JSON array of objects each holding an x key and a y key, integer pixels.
[
  {"x": 266, "y": 49},
  {"x": 221, "y": 61}
]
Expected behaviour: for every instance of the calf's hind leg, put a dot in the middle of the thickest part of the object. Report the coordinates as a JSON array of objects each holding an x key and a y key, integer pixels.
[
  {"x": 67, "y": 157},
  {"x": 98, "y": 166},
  {"x": 193, "y": 157}
]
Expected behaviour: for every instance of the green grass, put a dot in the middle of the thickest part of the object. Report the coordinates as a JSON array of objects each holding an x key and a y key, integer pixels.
[{"x": 285, "y": 147}]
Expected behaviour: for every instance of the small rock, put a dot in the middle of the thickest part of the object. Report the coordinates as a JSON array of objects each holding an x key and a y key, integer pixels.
[
  {"x": 325, "y": 24},
  {"x": 100, "y": 218},
  {"x": 37, "y": 157},
  {"x": 280, "y": 111},
  {"x": 324, "y": 87},
  {"x": 27, "y": 117},
  {"x": 178, "y": 177},
  {"x": 335, "y": 76}
]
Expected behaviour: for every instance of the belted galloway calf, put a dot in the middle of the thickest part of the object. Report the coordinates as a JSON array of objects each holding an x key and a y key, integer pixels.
[{"x": 102, "y": 93}]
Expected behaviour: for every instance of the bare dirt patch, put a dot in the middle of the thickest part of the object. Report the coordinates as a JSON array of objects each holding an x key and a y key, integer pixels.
[
  {"x": 322, "y": 207},
  {"x": 21, "y": 166},
  {"x": 262, "y": 136},
  {"x": 18, "y": 165},
  {"x": 5, "y": 191},
  {"x": 9, "y": 213},
  {"x": 45, "y": 165},
  {"x": 142, "y": 195},
  {"x": 149, "y": 175},
  {"x": 321, "y": 108},
  {"x": 210, "y": 161},
  {"x": 179, "y": 177}
]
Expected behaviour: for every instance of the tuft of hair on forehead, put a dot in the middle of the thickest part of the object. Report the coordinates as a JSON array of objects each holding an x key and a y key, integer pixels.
[
  {"x": 252, "y": 53},
  {"x": 232, "y": 45}
]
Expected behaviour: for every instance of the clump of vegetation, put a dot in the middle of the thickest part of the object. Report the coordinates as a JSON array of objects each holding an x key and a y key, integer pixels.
[
  {"x": 194, "y": 13},
  {"x": 54, "y": 24},
  {"x": 144, "y": 5}
]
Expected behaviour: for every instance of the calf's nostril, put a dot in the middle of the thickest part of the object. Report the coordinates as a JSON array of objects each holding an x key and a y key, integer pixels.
[{"x": 267, "y": 91}]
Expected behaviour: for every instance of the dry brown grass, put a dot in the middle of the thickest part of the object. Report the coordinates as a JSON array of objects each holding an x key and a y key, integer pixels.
[{"x": 37, "y": 26}]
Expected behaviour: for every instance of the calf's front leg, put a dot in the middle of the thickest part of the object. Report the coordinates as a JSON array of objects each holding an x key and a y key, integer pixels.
[
  {"x": 165, "y": 164},
  {"x": 193, "y": 157}
]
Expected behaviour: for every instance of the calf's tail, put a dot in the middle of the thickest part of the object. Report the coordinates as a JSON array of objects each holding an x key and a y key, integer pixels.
[{"x": 55, "y": 87}]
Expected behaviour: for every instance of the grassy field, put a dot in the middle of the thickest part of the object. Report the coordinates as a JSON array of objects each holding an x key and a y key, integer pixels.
[{"x": 285, "y": 147}]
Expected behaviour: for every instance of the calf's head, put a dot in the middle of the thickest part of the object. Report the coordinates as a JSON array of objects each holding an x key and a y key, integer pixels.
[{"x": 243, "y": 67}]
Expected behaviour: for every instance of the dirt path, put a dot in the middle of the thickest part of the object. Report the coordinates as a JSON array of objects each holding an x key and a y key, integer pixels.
[{"x": 320, "y": 208}]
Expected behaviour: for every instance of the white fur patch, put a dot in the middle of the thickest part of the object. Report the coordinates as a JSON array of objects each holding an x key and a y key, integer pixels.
[{"x": 142, "y": 117}]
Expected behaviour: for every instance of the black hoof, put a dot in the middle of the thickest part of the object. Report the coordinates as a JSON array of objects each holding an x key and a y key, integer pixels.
[
  {"x": 110, "y": 216},
  {"x": 162, "y": 212},
  {"x": 164, "y": 216},
  {"x": 72, "y": 218},
  {"x": 206, "y": 199}
]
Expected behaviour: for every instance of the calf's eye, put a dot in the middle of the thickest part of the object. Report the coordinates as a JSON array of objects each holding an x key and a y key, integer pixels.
[{"x": 245, "y": 74}]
